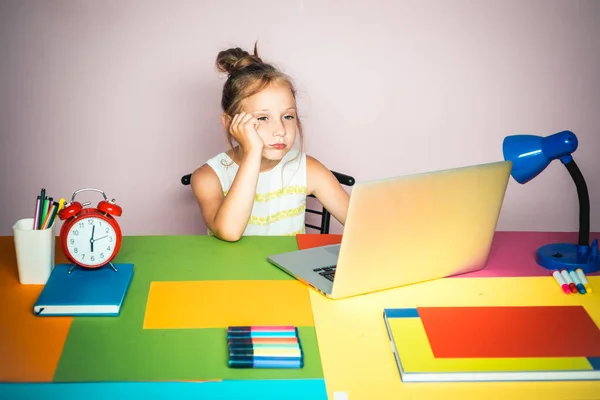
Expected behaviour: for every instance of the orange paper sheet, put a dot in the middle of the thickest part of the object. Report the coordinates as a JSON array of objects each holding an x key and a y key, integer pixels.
[
  {"x": 309, "y": 240},
  {"x": 511, "y": 332},
  {"x": 30, "y": 346},
  {"x": 218, "y": 304}
]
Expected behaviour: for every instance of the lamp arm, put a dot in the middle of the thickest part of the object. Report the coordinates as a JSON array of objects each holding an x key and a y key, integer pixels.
[{"x": 584, "y": 202}]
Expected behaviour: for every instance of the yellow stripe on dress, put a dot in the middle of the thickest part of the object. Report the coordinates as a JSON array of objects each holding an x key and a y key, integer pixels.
[
  {"x": 299, "y": 231},
  {"x": 276, "y": 194},
  {"x": 278, "y": 216}
]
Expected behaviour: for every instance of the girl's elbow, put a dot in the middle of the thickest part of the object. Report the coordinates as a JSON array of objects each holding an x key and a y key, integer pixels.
[
  {"x": 228, "y": 235},
  {"x": 225, "y": 229}
]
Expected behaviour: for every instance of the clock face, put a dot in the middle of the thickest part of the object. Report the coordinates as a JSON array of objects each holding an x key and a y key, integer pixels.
[{"x": 91, "y": 241}]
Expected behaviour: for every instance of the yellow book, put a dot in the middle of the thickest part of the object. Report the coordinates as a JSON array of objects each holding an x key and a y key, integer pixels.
[{"x": 494, "y": 343}]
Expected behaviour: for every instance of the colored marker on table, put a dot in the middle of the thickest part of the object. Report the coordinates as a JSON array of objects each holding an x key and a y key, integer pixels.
[
  {"x": 264, "y": 347},
  {"x": 259, "y": 340},
  {"x": 285, "y": 353},
  {"x": 251, "y": 362},
  {"x": 262, "y": 334},
  {"x": 578, "y": 283},
  {"x": 569, "y": 281},
  {"x": 583, "y": 279},
  {"x": 561, "y": 282},
  {"x": 283, "y": 328},
  {"x": 258, "y": 346}
]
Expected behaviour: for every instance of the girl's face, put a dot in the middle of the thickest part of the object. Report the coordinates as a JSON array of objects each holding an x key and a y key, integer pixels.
[{"x": 275, "y": 109}]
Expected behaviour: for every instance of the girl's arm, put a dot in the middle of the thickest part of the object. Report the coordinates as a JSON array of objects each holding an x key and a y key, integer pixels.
[
  {"x": 227, "y": 216},
  {"x": 326, "y": 188}
]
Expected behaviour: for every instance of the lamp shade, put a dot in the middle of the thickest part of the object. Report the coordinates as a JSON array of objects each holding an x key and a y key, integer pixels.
[{"x": 531, "y": 154}]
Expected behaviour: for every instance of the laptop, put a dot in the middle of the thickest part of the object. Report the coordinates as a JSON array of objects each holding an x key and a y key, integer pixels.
[{"x": 405, "y": 230}]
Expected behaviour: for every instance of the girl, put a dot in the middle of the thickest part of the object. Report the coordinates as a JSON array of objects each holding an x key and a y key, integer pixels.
[{"x": 259, "y": 186}]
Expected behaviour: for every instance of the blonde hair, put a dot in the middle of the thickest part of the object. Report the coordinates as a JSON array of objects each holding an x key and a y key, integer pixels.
[{"x": 248, "y": 74}]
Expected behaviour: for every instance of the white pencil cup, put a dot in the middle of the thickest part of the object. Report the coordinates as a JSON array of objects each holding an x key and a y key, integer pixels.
[{"x": 35, "y": 252}]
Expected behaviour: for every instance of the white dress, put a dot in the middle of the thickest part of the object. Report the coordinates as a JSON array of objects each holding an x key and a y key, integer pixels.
[{"x": 280, "y": 200}]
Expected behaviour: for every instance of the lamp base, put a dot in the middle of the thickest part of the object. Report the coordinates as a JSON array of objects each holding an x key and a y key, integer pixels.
[{"x": 569, "y": 256}]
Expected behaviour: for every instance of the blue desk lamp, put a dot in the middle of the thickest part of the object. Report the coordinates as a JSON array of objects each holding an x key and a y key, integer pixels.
[{"x": 530, "y": 155}]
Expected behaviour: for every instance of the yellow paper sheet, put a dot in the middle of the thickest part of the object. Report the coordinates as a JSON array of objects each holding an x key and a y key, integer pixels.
[
  {"x": 218, "y": 304},
  {"x": 417, "y": 355},
  {"x": 357, "y": 358}
]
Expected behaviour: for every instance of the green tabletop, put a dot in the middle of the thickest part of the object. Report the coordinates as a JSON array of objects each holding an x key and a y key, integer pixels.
[{"x": 120, "y": 349}]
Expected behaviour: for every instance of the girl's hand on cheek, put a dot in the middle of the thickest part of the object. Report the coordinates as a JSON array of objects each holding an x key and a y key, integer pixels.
[{"x": 243, "y": 128}]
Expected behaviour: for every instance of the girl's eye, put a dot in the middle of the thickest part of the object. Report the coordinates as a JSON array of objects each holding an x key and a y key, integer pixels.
[
  {"x": 289, "y": 117},
  {"x": 262, "y": 118}
]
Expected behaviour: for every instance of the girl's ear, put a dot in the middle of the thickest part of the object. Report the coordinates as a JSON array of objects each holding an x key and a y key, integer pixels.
[{"x": 226, "y": 120}]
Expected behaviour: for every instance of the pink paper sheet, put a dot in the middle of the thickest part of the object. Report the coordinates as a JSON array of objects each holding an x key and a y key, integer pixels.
[{"x": 513, "y": 254}]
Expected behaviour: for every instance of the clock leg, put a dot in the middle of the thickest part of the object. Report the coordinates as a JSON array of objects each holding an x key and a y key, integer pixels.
[
  {"x": 112, "y": 266},
  {"x": 72, "y": 268}
]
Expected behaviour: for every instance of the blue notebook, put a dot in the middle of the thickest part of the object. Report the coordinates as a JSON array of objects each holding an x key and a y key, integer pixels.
[{"x": 84, "y": 291}]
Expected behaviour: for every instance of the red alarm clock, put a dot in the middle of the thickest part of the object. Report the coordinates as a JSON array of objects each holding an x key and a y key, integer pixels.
[{"x": 90, "y": 237}]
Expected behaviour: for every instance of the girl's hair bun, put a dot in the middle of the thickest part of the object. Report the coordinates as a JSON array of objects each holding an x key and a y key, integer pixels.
[{"x": 234, "y": 59}]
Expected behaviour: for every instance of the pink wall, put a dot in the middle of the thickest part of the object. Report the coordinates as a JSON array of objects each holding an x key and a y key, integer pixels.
[{"x": 123, "y": 96}]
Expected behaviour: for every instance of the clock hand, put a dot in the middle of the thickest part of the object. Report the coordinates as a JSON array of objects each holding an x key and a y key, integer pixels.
[
  {"x": 92, "y": 239},
  {"x": 95, "y": 240}
]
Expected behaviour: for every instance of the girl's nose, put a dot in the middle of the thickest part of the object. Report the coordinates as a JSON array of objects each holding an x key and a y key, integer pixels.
[{"x": 279, "y": 130}]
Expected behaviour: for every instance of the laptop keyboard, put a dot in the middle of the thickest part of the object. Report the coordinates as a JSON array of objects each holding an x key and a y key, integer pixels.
[{"x": 327, "y": 272}]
